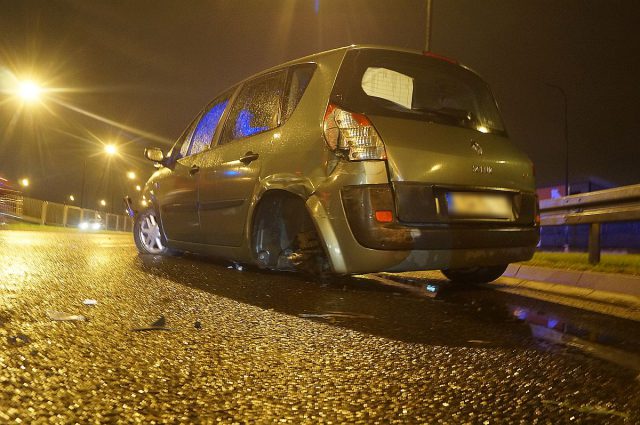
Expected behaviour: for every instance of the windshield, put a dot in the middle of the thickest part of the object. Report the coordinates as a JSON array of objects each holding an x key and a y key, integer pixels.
[{"x": 406, "y": 85}]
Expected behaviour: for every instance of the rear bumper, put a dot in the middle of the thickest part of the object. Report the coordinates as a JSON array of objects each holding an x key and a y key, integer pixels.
[
  {"x": 356, "y": 243},
  {"x": 436, "y": 232}
]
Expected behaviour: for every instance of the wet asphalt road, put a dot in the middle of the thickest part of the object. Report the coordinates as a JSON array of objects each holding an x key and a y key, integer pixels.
[{"x": 252, "y": 346}]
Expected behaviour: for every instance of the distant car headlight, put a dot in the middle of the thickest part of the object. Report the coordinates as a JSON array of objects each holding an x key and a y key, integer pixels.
[
  {"x": 96, "y": 226},
  {"x": 84, "y": 225}
]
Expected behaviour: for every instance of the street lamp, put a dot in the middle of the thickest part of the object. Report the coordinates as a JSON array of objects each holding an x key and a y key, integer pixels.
[
  {"x": 24, "y": 182},
  {"x": 111, "y": 149},
  {"x": 29, "y": 91},
  {"x": 103, "y": 202},
  {"x": 138, "y": 188},
  {"x": 131, "y": 175},
  {"x": 72, "y": 198}
]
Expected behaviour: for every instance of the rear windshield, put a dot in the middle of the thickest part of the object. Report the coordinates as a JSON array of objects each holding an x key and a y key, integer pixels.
[{"x": 406, "y": 85}]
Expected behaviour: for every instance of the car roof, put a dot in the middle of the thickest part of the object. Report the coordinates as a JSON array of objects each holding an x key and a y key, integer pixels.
[{"x": 343, "y": 50}]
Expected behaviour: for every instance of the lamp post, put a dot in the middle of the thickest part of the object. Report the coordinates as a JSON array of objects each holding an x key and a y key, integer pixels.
[
  {"x": 566, "y": 136},
  {"x": 427, "y": 43},
  {"x": 566, "y": 154},
  {"x": 109, "y": 150}
]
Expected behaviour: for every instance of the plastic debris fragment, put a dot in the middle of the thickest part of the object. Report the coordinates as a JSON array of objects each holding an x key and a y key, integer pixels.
[
  {"x": 158, "y": 325},
  {"x": 20, "y": 339},
  {"x": 236, "y": 266},
  {"x": 90, "y": 302},
  {"x": 61, "y": 316}
]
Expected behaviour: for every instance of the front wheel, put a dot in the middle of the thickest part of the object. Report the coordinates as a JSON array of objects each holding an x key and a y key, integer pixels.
[
  {"x": 475, "y": 274},
  {"x": 147, "y": 234}
]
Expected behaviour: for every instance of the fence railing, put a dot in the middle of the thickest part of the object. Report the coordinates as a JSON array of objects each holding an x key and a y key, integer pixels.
[
  {"x": 31, "y": 210},
  {"x": 593, "y": 208}
]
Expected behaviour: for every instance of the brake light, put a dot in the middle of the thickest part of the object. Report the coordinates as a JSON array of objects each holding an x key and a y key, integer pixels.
[{"x": 353, "y": 133}]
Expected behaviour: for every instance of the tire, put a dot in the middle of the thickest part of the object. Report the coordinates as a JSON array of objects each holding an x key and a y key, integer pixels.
[
  {"x": 149, "y": 236},
  {"x": 475, "y": 274}
]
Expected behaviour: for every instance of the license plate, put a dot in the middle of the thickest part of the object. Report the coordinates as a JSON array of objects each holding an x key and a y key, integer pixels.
[{"x": 479, "y": 205}]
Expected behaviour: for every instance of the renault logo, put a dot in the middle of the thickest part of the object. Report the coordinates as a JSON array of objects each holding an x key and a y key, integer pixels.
[{"x": 476, "y": 147}]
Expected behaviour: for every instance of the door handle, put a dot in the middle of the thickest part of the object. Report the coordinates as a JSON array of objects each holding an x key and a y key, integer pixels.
[
  {"x": 249, "y": 157},
  {"x": 194, "y": 170}
]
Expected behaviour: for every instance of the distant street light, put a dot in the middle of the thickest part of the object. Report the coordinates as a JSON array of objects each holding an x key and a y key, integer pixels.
[
  {"x": 138, "y": 188},
  {"x": 103, "y": 202},
  {"x": 111, "y": 149},
  {"x": 72, "y": 198},
  {"x": 24, "y": 182},
  {"x": 29, "y": 91},
  {"x": 131, "y": 175}
]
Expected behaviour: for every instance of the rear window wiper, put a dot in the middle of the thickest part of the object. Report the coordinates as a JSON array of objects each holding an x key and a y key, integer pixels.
[{"x": 458, "y": 114}]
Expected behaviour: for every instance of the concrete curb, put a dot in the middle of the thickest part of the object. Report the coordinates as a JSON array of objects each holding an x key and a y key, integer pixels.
[{"x": 591, "y": 281}]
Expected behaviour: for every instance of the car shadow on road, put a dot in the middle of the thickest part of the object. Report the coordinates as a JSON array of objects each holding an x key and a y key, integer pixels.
[{"x": 456, "y": 316}]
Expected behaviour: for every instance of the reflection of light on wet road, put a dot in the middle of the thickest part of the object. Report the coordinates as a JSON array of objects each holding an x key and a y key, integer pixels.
[
  {"x": 16, "y": 269},
  {"x": 595, "y": 342},
  {"x": 22, "y": 238}
]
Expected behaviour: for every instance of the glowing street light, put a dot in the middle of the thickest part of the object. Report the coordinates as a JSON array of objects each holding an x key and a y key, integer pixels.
[
  {"x": 131, "y": 175},
  {"x": 72, "y": 198},
  {"x": 24, "y": 182},
  {"x": 111, "y": 149},
  {"x": 138, "y": 188},
  {"x": 103, "y": 202},
  {"x": 29, "y": 91}
]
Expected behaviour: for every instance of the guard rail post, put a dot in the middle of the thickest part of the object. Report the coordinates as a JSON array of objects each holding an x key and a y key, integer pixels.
[
  {"x": 594, "y": 243},
  {"x": 43, "y": 212},
  {"x": 65, "y": 211}
]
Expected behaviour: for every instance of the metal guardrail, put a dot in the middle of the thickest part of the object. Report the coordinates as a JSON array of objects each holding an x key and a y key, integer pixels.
[
  {"x": 593, "y": 208},
  {"x": 44, "y": 212}
]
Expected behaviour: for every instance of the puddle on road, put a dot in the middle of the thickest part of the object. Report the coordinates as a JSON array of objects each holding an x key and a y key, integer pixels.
[{"x": 554, "y": 329}]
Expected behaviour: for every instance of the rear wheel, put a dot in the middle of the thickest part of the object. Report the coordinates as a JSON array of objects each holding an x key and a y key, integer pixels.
[
  {"x": 148, "y": 234},
  {"x": 475, "y": 274},
  {"x": 284, "y": 236}
]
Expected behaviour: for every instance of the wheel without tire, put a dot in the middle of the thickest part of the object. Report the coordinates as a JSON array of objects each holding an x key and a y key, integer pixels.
[
  {"x": 148, "y": 235},
  {"x": 475, "y": 274},
  {"x": 284, "y": 237}
]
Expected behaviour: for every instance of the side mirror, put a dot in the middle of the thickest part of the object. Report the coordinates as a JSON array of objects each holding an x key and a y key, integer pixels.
[{"x": 154, "y": 154}]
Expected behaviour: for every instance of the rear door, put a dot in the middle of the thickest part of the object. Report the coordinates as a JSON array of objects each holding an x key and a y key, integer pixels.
[{"x": 233, "y": 166}]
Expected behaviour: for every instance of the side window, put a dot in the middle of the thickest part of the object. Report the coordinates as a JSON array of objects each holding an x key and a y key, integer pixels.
[
  {"x": 298, "y": 82},
  {"x": 256, "y": 109},
  {"x": 207, "y": 125},
  {"x": 185, "y": 139}
]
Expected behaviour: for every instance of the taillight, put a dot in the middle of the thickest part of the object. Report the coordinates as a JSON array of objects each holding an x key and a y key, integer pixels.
[{"x": 352, "y": 133}]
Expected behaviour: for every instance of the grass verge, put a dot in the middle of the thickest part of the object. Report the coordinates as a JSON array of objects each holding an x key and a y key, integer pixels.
[{"x": 609, "y": 263}]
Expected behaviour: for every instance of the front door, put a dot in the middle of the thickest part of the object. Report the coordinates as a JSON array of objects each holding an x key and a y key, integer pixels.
[
  {"x": 178, "y": 193},
  {"x": 233, "y": 167}
]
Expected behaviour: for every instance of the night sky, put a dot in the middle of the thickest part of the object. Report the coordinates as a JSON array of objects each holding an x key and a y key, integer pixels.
[{"x": 152, "y": 65}]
